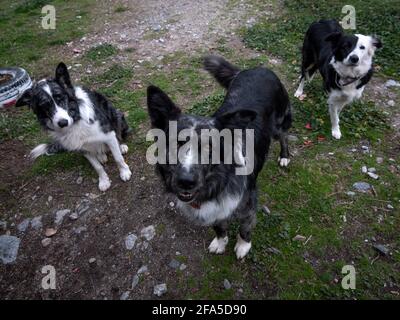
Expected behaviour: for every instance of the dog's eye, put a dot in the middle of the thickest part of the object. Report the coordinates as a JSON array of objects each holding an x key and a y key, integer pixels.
[{"x": 362, "y": 47}]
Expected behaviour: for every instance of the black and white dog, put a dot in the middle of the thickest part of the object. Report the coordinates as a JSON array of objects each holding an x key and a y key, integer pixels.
[
  {"x": 344, "y": 61},
  {"x": 78, "y": 119},
  {"x": 211, "y": 194}
]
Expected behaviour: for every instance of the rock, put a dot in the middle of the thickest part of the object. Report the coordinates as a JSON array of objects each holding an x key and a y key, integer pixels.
[
  {"x": 79, "y": 230},
  {"x": 381, "y": 249},
  {"x": 379, "y": 160},
  {"x": 390, "y": 207},
  {"x": 46, "y": 242},
  {"x": 266, "y": 210},
  {"x": 160, "y": 289},
  {"x": 92, "y": 260},
  {"x": 79, "y": 180},
  {"x": 125, "y": 295},
  {"x": 391, "y": 103},
  {"x": 364, "y": 169},
  {"x": 299, "y": 238},
  {"x": 23, "y": 225},
  {"x": 273, "y": 250},
  {"x": 83, "y": 207},
  {"x": 373, "y": 175},
  {"x": 143, "y": 269},
  {"x": 3, "y": 225},
  {"x": 148, "y": 233},
  {"x": 362, "y": 186},
  {"x": 50, "y": 232},
  {"x": 172, "y": 204},
  {"x": 9, "y": 246},
  {"x": 350, "y": 193},
  {"x": 292, "y": 138},
  {"x": 227, "y": 284},
  {"x": 73, "y": 216},
  {"x": 60, "y": 214},
  {"x": 36, "y": 223},
  {"x": 135, "y": 281},
  {"x": 49, "y": 199},
  {"x": 157, "y": 28},
  {"x": 174, "y": 264},
  {"x": 130, "y": 241},
  {"x": 373, "y": 170},
  {"x": 182, "y": 267},
  {"x": 392, "y": 83}
]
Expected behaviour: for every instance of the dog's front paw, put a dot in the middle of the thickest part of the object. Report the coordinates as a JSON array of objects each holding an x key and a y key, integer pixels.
[
  {"x": 283, "y": 162},
  {"x": 298, "y": 93},
  {"x": 104, "y": 183},
  {"x": 218, "y": 245},
  {"x": 102, "y": 157},
  {"x": 242, "y": 248},
  {"x": 336, "y": 133},
  {"x": 125, "y": 174},
  {"x": 124, "y": 148}
]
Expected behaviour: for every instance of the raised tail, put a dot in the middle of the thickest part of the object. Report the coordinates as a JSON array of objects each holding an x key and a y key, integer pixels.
[
  {"x": 222, "y": 70},
  {"x": 47, "y": 149}
]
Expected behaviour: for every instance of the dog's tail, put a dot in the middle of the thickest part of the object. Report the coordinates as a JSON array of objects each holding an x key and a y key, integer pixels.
[
  {"x": 222, "y": 70},
  {"x": 47, "y": 149}
]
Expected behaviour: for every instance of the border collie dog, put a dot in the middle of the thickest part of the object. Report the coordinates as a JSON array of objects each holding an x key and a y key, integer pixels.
[
  {"x": 212, "y": 194},
  {"x": 344, "y": 61},
  {"x": 78, "y": 119}
]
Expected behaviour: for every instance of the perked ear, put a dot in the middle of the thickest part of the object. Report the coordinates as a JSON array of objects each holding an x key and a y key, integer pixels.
[
  {"x": 238, "y": 118},
  {"x": 334, "y": 37},
  {"x": 161, "y": 108},
  {"x": 25, "y": 99},
  {"x": 62, "y": 76},
  {"x": 376, "y": 42}
]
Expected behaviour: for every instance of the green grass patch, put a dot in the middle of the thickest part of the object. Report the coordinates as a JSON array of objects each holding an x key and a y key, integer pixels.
[{"x": 101, "y": 52}]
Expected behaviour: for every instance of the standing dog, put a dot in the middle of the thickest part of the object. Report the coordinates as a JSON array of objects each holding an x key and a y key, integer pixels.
[
  {"x": 211, "y": 194},
  {"x": 344, "y": 61},
  {"x": 78, "y": 119}
]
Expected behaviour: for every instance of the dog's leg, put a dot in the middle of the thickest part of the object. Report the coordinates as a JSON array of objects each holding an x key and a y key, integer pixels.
[
  {"x": 284, "y": 155},
  {"x": 300, "y": 89},
  {"x": 334, "y": 111},
  {"x": 104, "y": 181},
  {"x": 221, "y": 240},
  {"x": 113, "y": 144},
  {"x": 102, "y": 157},
  {"x": 247, "y": 223}
]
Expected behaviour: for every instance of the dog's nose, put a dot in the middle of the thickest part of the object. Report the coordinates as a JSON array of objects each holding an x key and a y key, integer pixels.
[
  {"x": 186, "y": 181},
  {"x": 354, "y": 58},
  {"x": 62, "y": 123}
]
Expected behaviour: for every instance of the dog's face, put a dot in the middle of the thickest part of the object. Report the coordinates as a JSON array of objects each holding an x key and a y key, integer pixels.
[
  {"x": 53, "y": 101},
  {"x": 353, "y": 50},
  {"x": 189, "y": 178}
]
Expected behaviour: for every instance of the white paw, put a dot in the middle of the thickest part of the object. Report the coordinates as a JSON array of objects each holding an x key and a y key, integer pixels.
[
  {"x": 242, "y": 247},
  {"x": 283, "y": 162},
  {"x": 298, "y": 93},
  {"x": 336, "y": 133},
  {"x": 102, "y": 157},
  {"x": 124, "y": 148},
  {"x": 218, "y": 245},
  {"x": 104, "y": 183},
  {"x": 125, "y": 174}
]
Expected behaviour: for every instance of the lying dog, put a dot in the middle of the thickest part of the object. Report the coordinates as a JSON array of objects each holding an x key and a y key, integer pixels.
[
  {"x": 344, "y": 61},
  {"x": 211, "y": 194},
  {"x": 78, "y": 119}
]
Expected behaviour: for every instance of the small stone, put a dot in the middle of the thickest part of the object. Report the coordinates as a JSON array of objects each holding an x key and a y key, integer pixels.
[
  {"x": 92, "y": 260},
  {"x": 135, "y": 281},
  {"x": 227, "y": 284},
  {"x": 373, "y": 175},
  {"x": 182, "y": 267},
  {"x": 49, "y": 199},
  {"x": 174, "y": 264},
  {"x": 148, "y": 233},
  {"x": 364, "y": 169},
  {"x": 46, "y": 242},
  {"x": 142, "y": 178},
  {"x": 143, "y": 269},
  {"x": 392, "y": 160},
  {"x": 373, "y": 170},
  {"x": 391, "y": 103},
  {"x": 79, "y": 180},
  {"x": 130, "y": 241},
  {"x": 160, "y": 289},
  {"x": 79, "y": 230},
  {"x": 381, "y": 249},
  {"x": 172, "y": 204},
  {"x": 379, "y": 160},
  {"x": 50, "y": 232},
  {"x": 83, "y": 207},
  {"x": 60, "y": 214},
  {"x": 23, "y": 225},
  {"x": 124, "y": 296},
  {"x": 364, "y": 147},
  {"x": 390, "y": 207},
  {"x": 392, "y": 83},
  {"x": 362, "y": 186},
  {"x": 299, "y": 238},
  {"x": 292, "y": 138},
  {"x": 350, "y": 193},
  {"x": 3, "y": 225},
  {"x": 273, "y": 250},
  {"x": 36, "y": 223},
  {"x": 73, "y": 216},
  {"x": 9, "y": 246},
  {"x": 266, "y": 210}
]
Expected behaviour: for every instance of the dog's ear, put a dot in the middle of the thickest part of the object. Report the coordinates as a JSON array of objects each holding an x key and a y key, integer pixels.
[
  {"x": 376, "y": 42},
  {"x": 62, "y": 76},
  {"x": 161, "y": 108},
  {"x": 238, "y": 118},
  {"x": 25, "y": 99},
  {"x": 334, "y": 37}
]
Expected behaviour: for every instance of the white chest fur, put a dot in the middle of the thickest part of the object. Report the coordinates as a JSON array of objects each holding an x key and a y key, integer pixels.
[
  {"x": 211, "y": 211},
  {"x": 346, "y": 94}
]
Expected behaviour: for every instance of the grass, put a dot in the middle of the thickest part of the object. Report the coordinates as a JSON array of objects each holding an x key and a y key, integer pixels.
[{"x": 101, "y": 52}]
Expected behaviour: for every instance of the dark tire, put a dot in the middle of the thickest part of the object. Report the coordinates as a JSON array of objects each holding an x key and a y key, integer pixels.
[{"x": 13, "y": 82}]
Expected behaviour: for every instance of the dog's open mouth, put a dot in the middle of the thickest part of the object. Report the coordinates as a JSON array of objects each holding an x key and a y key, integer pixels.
[{"x": 186, "y": 196}]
